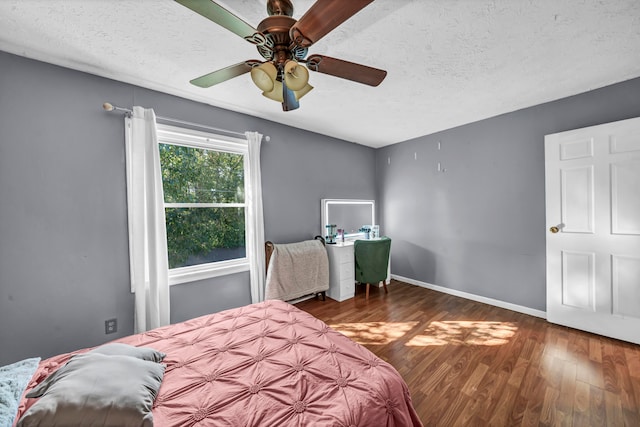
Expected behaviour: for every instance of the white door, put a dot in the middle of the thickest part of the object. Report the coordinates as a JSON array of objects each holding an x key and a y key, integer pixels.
[{"x": 593, "y": 229}]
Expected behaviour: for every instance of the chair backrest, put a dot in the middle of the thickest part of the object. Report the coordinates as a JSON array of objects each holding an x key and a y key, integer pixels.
[{"x": 371, "y": 259}]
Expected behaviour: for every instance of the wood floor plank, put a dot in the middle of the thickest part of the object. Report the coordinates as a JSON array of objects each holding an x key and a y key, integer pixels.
[
  {"x": 597, "y": 406},
  {"x": 471, "y": 364},
  {"x": 471, "y": 385},
  {"x": 591, "y": 372},
  {"x": 516, "y": 417},
  {"x": 567, "y": 389},
  {"x": 581, "y": 398},
  {"x": 468, "y": 415},
  {"x": 492, "y": 388},
  {"x": 595, "y": 349},
  {"x": 531, "y": 416},
  {"x": 627, "y": 393},
  {"x": 504, "y": 406},
  {"x": 635, "y": 385},
  {"x": 613, "y": 409},
  {"x": 517, "y": 375},
  {"x": 549, "y": 405},
  {"x": 430, "y": 384},
  {"x": 579, "y": 348},
  {"x": 445, "y": 410},
  {"x": 631, "y": 418},
  {"x": 632, "y": 355}
]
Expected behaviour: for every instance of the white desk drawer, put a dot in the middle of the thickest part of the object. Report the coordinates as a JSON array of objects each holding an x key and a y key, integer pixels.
[
  {"x": 342, "y": 254},
  {"x": 347, "y": 270},
  {"x": 342, "y": 271}
]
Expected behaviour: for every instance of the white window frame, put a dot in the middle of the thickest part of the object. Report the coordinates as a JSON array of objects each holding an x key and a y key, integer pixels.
[{"x": 174, "y": 135}]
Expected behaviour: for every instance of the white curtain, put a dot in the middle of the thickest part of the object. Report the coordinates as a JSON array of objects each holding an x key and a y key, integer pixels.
[
  {"x": 255, "y": 219},
  {"x": 147, "y": 233}
]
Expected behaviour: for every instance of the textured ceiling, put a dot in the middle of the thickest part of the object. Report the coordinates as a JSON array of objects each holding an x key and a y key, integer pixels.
[{"x": 449, "y": 62}]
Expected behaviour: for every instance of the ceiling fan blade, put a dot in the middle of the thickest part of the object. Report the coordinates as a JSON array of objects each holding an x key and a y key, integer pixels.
[
  {"x": 322, "y": 17},
  {"x": 221, "y": 16},
  {"x": 346, "y": 70},
  {"x": 224, "y": 74}
]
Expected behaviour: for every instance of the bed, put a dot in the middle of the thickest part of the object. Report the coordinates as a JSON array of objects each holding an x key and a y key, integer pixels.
[{"x": 265, "y": 364}]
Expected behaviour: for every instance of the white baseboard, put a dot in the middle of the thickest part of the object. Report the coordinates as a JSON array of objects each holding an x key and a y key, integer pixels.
[{"x": 473, "y": 297}]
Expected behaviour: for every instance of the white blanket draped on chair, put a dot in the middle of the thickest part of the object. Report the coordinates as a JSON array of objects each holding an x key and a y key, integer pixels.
[{"x": 296, "y": 270}]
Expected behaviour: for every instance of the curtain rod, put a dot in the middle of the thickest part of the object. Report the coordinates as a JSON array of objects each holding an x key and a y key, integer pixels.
[{"x": 110, "y": 107}]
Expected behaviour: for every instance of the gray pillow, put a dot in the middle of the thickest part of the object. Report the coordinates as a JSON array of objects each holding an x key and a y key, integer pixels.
[
  {"x": 93, "y": 389},
  {"x": 119, "y": 349}
]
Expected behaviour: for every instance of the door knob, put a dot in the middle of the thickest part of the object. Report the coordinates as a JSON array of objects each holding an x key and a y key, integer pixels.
[{"x": 554, "y": 229}]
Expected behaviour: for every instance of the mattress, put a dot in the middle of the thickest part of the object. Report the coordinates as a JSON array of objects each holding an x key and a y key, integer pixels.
[{"x": 265, "y": 364}]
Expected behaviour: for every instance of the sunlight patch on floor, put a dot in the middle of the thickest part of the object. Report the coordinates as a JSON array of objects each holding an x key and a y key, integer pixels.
[
  {"x": 374, "y": 333},
  {"x": 465, "y": 333}
]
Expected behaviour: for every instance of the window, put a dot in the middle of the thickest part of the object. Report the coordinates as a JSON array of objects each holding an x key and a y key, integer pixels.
[{"x": 203, "y": 178}]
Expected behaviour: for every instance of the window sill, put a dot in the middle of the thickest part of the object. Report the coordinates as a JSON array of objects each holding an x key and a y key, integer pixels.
[{"x": 207, "y": 271}]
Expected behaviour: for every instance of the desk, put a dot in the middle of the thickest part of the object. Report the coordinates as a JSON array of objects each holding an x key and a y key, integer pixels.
[{"x": 342, "y": 271}]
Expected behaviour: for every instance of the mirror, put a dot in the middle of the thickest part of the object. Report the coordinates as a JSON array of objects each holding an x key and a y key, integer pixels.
[{"x": 349, "y": 214}]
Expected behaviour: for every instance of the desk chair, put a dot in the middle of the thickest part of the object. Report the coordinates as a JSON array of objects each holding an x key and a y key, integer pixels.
[{"x": 372, "y": 260}]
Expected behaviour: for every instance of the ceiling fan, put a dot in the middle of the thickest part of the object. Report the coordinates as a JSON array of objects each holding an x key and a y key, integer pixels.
[{"x": 283, "y": 42}]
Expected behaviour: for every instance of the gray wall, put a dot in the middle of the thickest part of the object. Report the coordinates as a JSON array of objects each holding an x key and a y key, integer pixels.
[
  {"x": 63, "y": 227},
  {"x": 479, "y": 225}
]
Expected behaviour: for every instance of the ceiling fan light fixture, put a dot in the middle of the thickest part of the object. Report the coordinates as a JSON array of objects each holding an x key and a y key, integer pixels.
[
  {"x": 276, "y": 93},
  {"x": 264, "y": 76},
  {"x": 302, "y": 92},
  {"x": 296, "y": 76},
  {"x": 283, "y": 42}
]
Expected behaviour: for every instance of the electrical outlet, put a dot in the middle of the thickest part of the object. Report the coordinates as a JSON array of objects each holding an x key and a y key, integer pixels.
[{"x": 110, "y": 326}]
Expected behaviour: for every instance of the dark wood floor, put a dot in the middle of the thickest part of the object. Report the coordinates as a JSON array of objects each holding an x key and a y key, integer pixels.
[{"x": 472, "y": 364}]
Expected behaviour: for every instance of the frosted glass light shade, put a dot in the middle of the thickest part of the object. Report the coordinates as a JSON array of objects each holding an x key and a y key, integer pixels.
[
  {"x": 276, "y": 93},
  {"x": 296, "y": 76},
  {"x": 264, "y": 76},
  {"x": 302, "y": 92}
]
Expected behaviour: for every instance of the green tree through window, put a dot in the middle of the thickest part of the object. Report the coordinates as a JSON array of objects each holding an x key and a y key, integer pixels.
[{"x": 204, "y": 204}]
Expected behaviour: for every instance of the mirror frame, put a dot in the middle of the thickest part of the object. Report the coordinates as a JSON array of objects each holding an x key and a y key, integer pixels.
[{"x": 326, "y": 203}]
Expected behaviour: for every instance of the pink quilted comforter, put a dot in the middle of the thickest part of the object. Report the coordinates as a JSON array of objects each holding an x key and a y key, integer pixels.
[{"x": 267, "y": 364}]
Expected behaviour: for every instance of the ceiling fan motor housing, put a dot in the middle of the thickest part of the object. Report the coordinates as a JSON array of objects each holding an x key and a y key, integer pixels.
[{"x": 276, "y": 29}]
